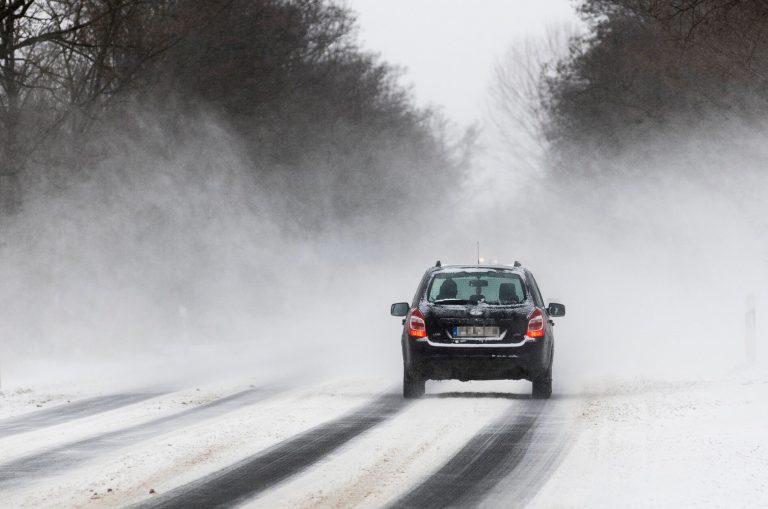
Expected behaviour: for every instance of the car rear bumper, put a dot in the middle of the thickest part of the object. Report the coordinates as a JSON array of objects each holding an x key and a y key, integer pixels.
[{"x": 477, "y": 362}]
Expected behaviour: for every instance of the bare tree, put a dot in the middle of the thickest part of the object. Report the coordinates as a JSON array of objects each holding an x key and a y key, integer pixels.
[
  {"x": 59, "y": 57},
  {"x": 518, "y": 96}
]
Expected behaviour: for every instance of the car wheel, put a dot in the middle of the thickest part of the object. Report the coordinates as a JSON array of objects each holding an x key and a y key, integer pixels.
[
  {"x": 542, "y": 385},
  {"x": 413, "y": 386},
  {"x": 542, "y": 388}
]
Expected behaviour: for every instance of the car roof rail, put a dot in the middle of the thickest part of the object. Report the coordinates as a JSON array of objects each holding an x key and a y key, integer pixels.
[{"x": 438, "y": 264}]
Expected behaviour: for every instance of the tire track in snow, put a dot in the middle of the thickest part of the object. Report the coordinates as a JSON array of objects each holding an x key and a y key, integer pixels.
[
  {"x": 550, "y": 441},
  {"x": 69, "y": 412},
  {"x": 252, "y": 475},
  {"x": 22, "y": 471},
  {"x": 488, "y": 458}
]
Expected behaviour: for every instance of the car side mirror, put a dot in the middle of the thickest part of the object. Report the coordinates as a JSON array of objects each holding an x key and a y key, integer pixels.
[
  {"x": 400, "y": 309},
  {"x": 555, "y": 309}
]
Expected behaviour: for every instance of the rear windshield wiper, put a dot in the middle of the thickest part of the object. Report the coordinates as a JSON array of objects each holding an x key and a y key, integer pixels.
[{"x": 451, "y": 301}]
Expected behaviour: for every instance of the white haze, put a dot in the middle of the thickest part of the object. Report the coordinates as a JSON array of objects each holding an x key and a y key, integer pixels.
[
  {"x": 448, "y": 47},
  {"x": 180, "y": 268}
]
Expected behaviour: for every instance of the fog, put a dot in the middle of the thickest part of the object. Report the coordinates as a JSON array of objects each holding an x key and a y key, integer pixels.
[
  {"x": 186, "y": 268},
  {"x": 657, "y": 262},
  {"x": 181, "y": 252}
]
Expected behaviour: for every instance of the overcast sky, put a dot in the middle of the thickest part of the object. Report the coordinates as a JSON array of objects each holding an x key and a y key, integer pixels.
[{"x": 448, "y": 47}]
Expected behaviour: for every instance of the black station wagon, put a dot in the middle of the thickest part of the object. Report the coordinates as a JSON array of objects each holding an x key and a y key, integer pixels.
[{"x": 477, "y": 322}]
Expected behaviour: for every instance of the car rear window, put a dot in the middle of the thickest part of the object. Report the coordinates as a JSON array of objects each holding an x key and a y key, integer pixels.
[{"x": 494, "y": 287}]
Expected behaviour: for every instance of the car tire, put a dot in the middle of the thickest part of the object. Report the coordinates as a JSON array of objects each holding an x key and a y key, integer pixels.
[
  {"x": 542, "y": 384},
  {"x": 542, "y": 388},
  {"x": 414, "y": 387}
]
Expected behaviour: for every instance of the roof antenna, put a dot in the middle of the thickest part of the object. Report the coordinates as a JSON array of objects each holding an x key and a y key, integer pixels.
[
  {"x": 438, "y": 264},
  {"x": 478, "y": 252}
]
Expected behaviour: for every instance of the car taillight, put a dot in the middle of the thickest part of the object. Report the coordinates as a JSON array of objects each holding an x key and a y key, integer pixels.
[
  {"x": 416, "y": 326},
  {"x": 535, "y": 324}
]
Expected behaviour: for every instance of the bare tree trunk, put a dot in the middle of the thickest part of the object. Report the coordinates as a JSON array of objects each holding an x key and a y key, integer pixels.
[{"x": 9, "y": 80}]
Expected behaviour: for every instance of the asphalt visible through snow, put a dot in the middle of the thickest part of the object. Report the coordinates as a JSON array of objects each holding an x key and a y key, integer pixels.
[
  {"x": 253, "y": 475},
  {"x": 491, "y": 469},
  {"x": 69, "y": 411},
  {"x": 48, "y": 462},
  {"x": 489, "y": 457},
  {"x": 504, "y": 464}
]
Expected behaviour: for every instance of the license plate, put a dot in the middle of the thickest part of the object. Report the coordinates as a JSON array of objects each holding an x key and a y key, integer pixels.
[{"x": 475, "y": 331}]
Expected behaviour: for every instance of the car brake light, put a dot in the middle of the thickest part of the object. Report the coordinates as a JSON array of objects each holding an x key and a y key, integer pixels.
[
  {"x": 416, "y": 326},
  {"x": 535, "y": 324}
]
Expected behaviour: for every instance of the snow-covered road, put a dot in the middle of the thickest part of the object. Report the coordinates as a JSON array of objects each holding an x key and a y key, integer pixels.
[{"x": 356, "y": 443}]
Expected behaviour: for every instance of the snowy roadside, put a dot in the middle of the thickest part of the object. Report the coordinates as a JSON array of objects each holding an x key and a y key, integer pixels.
[
  {"x": 648, "y": 444},
  {"x": 20, "y": 400},
  {"x": 30, "y": 385}
]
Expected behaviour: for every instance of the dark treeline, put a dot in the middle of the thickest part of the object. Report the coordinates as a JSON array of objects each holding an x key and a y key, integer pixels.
[
  {"x": 653, "y": 68},
  {"x": 322, "y": 121}
]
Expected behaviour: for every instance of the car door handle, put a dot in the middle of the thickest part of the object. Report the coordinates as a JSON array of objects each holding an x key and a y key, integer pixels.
[{"x": 551, "y": 322}]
